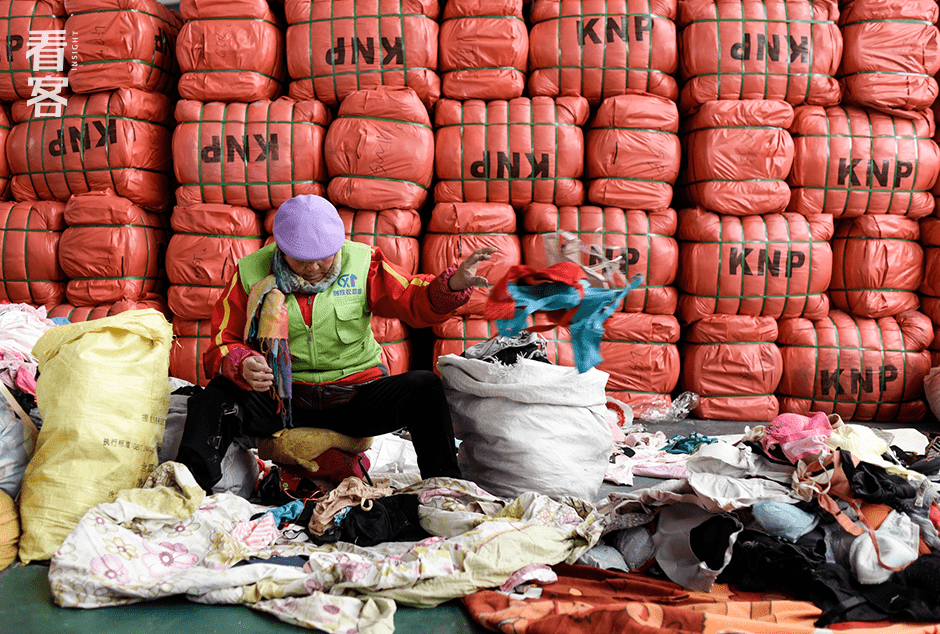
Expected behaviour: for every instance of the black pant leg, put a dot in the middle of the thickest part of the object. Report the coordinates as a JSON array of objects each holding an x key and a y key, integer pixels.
[
  {"x": 414, "y": 400},
  {"x": 214, "y": 417}
]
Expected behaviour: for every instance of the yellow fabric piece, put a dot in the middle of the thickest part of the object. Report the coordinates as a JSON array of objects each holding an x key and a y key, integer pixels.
[
  {"x": 302, "y": 445},
  {"x": 103, "y": 393},
  {"x": 9, "y": 530}
]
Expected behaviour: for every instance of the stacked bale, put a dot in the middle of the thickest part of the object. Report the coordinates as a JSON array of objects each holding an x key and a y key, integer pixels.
[
  {"x": 484, "y": 48},
  {"x": 230, "y": 51},
  {"x": 785, "y": 50},
  {"x": 121, "y": 44},
  {"x": 860, "y": 368},
  {"x": 602, "y": 48},
  {"x": 337, "y": 48},
  {"x": 112, "y": 250},
  {"x": 903, "y": 78},
  {"x": 30, "y": 233}
]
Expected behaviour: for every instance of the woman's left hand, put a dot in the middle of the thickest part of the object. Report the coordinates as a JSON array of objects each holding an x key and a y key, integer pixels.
[{"x": 466, "y": 275}]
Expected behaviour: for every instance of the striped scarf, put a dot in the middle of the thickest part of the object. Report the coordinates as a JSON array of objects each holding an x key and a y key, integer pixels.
[{"x": 267, "y": 329}]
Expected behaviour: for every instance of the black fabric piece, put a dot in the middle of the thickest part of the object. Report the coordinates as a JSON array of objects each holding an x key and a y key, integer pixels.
[
  {"x": 393, "y": 518},
  {"x": 839, "y": 598},
  {"x": 774, "y": 455},
  {"x": 873, "y": 483},
  {"x": 709, "y": 540},
  {"x": 910, "y": 594},
  {"x": 762, "y": 562},
  {"x": 25, "y": 400},
  {"x": 296, "y": 561}
]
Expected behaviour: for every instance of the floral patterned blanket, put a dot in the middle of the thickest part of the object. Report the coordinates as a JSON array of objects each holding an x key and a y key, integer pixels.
[{"x": 169, "y": 538}]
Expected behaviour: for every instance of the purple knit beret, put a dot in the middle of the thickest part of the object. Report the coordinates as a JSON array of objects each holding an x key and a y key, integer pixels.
[{"x": 308, "y": 227}]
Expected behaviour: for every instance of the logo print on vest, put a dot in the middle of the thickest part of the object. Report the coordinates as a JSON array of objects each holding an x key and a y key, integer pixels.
[{"x": 347, "y": 285}]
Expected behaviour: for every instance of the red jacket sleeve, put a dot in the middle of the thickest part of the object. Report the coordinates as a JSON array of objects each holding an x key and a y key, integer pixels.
[
  {"x": 418, "y": 300},
  {"x": 227, "y": 348}
]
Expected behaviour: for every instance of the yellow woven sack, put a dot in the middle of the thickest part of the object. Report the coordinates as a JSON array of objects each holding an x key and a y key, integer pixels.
[
  {"x": 9, "y": 530},
  {"x": 103, "y": 393}
]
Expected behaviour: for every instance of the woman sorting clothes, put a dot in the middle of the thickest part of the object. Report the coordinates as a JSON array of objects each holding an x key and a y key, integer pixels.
[{"x": 292, "y": 345}]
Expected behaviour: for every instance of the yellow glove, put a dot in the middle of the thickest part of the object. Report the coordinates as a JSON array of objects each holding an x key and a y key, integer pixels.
[{"x": 302, "y": 445}]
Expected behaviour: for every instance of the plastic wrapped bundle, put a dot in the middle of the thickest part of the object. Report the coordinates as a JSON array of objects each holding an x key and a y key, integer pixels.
[
  {"x": 5, "y": 126},
  {"x": 643, "y": 240},
  {"x": 891, "y": 52},
  {"x": 738, "y": 155},
  {"x": 395, "y": 231},
  {"x": 517, "y": 152},
  {"x": 732, "y": 363},
  {"x": 251, "y": 155},
  {"x": 17, "y": 19},
  {"x": 112, "y": 250},
  {"x": 859, "y": 368},
  {"x": 601, "y": 48},
  {"x": 775, "y": 265},
  {"x": 641, "y": 356},
  {"x": 30, "y": 234},
  {"x": 86, "y": 313},
  {"x": 191, "y": 337},
  {"x": 930, "y": 287},
  {"x": 121, "y": 44},
  {"x": 118, "y": 140},
  {"x": 853, "y": 161},
  {"x": 632, "y": 152},
  {"x": 380, "y": 150},
  {"x": 458, "y": 229},
  {"x": 230, "y": 51},
  {"x": 759, "y": 49},
  {"x": 877, "y": 265},
  {"x": 203, "y": 254},
  {"x": 484, "y": 48},
  {"x": 394, "y": 337},
  {"x": 336, "y": 48}
]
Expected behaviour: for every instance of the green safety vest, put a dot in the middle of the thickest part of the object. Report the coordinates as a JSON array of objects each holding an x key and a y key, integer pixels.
[{"x": 340, "y": 342}]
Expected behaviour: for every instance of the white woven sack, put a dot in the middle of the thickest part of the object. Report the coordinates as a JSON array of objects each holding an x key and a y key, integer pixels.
[{"x": 530, "y": 426}]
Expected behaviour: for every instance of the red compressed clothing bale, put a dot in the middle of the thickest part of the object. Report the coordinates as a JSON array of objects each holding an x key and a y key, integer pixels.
[
  {"x": 930, "y": 287},
  {"x": 859, "y": 368},
  {"x": 484, "y": 49},
  {"x": 517, "y": 152},
  {"x": 640, "y": 353},
  {"x": 632, "y": 152},
  {"x": 5, "y": 127},
  {"x": 203, "y": 254},
  {"x": 336, "y": 48},
  {"x": 753, "y": 49},
  {"x": 775, "y": 265},
  {"x": 380, "y": 150},
  {"x": 251, "y": 155},
  {"x": 644, "y": 241},
  {"x": 394, "y": 337},
  {"x": 601, "y": 48},
  {"x": 86, "y": 313},
  {"x": 230, "y": 51},
  {"x": 191, "y": 338},
  {"x": 395, "y": 231},
  {"x": 733, "y": 364},
  {"x": 116, "y": 140},
  {"x": 30, "y": 233},
  {"x": 121, "y": 44},
  {"x": 891, "y": 52},
  {"x": 111, "y": 250},
  {"x": 853, "y": 161},
  {"x": 877, "y": 265},
  {"x": 458, "y": 229},
  {"x": 17, "y": 19},
  {"x": 738, "y": 155}
]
